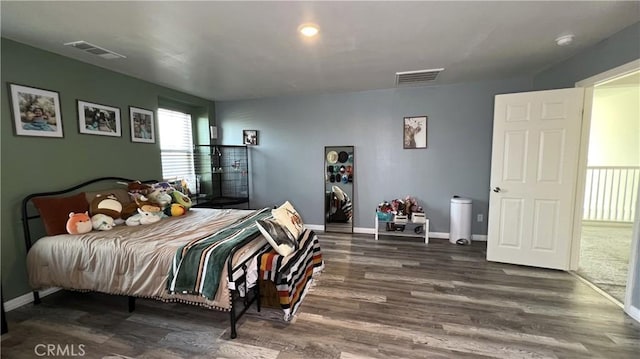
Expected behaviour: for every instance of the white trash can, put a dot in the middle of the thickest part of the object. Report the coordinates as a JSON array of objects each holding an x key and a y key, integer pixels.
[{"x": 460, "y": 220}]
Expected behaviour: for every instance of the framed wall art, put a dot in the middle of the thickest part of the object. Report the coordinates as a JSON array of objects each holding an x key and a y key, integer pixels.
[
  {"x": 36, "y": 112},
  {"x": 415, "y": 132},
  {"x": 142, "y": 125},
  {"x": 250, "y": 137},
  {"x": 97, "y": 119}
]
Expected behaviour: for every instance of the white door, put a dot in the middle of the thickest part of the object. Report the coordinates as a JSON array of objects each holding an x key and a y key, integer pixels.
[{"x": 536, "y": 138}]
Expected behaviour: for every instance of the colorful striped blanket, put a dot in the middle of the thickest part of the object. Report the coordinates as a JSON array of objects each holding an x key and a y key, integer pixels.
[
  {"x": 293, "y": 274},
  {"x": 197, "y": 265}
]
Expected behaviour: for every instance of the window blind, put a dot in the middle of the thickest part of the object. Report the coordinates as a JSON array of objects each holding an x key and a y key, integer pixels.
[{"x": 176, "y": 147}]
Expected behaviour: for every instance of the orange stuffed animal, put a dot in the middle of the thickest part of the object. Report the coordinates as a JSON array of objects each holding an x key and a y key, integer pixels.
[{"x": 79, "y": 223}]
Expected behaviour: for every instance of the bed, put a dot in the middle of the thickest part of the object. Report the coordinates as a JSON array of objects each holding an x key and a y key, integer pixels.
[{"x": 150, "y": 261}]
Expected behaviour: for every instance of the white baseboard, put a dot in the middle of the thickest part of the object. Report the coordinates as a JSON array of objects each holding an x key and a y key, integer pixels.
[
  {"x": 439, "y": 235},
  {"x": 600, "y": 291},
  {"x": 365, "y": 230},
  {"x": 445, "y": 235},
  {"x": 588, "y": 223},
  {"x": 26, "y": 299},
  {"x": 315, "y": 227},
  {"x": 320, "y": 228},
  {"x": 634, "y": 312}
]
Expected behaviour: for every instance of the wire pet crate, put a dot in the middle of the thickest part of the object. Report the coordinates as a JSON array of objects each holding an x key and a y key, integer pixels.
[{"x": 223, "y": 173}]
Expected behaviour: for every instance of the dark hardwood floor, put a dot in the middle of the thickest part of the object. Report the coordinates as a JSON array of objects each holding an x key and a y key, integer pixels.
[{"x": 394, "y": 298}]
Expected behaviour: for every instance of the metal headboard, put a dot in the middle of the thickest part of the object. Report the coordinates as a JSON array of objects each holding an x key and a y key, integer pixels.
[{"x": 26, "y": 218}]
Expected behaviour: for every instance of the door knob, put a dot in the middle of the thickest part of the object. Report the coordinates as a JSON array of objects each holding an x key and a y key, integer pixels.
[{"x": 496, "y": 189}]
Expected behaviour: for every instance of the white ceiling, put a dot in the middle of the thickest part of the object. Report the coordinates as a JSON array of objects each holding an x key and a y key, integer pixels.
[{"x": 237, "y": 50}]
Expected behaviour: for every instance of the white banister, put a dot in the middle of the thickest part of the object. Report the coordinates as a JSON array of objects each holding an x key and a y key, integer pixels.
[{"x": 611, "y": 193}]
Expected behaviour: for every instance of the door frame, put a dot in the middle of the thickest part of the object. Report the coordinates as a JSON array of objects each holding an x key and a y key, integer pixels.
[{"x": 634, "y": 260}]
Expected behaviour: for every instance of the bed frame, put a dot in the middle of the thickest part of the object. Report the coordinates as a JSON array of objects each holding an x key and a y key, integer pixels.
[{"x": 247, "y": 300}]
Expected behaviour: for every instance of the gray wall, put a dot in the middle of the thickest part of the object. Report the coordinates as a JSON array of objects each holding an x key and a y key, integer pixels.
[
  {"x": 617, "y": 50},
  {"x": 36, "y": 164},
  {"x": 288, "y": 162}
]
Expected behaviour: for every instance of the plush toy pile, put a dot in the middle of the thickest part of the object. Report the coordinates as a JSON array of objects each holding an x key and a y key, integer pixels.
[
  {"x": 404, "y": 206},
  {"x": 150, "y": 203}
]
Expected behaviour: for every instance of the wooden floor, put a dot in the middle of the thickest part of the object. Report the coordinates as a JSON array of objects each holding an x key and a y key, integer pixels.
[{"x": 394, "y": 298}]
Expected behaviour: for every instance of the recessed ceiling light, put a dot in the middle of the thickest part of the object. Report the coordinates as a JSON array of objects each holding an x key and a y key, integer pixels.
[
  {"x": 309, "y": 30},
  {"x": 564, "y": 40}
]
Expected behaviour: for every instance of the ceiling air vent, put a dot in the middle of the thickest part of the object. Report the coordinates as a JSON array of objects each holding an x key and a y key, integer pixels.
[
  {"x": 419, "y": 77},
  {"x": 95, "y": 50}
]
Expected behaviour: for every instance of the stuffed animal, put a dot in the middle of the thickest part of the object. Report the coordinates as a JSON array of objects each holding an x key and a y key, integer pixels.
[
  {"x": 79, "y": 223},
  {"x": 142, "y": 218},
  {"x": 138, "y": 187},
  {"x": 166, "y": 187},
  {"x": 175, "y": 210},
  {"x": 181, "y": 198},
  {"x": 129, "y": 210},
  {"x": 161, "y": 197},
  {"x": 139, "y": 202},
  {"x": 107, "y": 205},
  {"x": 102, "y": 222}
]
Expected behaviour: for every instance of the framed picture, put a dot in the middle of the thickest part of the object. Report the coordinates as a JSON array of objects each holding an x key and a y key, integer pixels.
[
  {"x": 36, "y": 112},
  {"x": 250, "y": 137},
  {"x": 97, "y": 119},
  {"x": 415, "y": 132},
  {"x": 142, "y": 125}
]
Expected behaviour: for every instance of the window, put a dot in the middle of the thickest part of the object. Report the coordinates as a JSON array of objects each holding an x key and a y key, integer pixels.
[{"x": 176, "y": 147}]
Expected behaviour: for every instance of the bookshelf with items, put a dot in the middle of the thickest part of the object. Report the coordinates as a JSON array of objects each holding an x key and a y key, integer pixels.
[
  {"x": 401, "y": 217},
  {"x": 402, "y": 227}
]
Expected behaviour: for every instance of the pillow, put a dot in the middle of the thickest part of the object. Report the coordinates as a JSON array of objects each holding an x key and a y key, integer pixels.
[
  {"x": 288, "y": 217},
  {"x": 121, "y": 194},
  {"x": 54, "y": 211},
  {"x": 278, "y": 236}
]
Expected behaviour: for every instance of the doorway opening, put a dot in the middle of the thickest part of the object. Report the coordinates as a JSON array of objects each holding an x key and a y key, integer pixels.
[{"x": 611, "y": 182}]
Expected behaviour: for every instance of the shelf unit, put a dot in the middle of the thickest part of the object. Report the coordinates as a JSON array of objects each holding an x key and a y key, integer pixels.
[
  {"x": 409, "y": 229},
  {"x": 223, "y": 176}
]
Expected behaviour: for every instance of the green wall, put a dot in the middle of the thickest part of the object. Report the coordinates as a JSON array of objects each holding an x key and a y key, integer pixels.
[{"x": 36, "y": 164}]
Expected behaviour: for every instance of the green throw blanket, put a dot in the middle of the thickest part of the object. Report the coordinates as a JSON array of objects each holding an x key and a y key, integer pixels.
[{"x": 197, "y": 266}]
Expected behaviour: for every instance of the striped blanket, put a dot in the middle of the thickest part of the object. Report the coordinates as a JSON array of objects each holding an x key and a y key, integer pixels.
[
  {"x": 293, "y": 274},
  {"x": 197, "y": 265}
]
